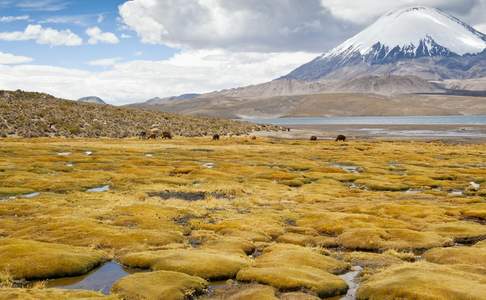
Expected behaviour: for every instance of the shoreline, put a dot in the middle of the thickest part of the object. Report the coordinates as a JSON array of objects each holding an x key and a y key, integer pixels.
[{"x": 469, "y": 133}]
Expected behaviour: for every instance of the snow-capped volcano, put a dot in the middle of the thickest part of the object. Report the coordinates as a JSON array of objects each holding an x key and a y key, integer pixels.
[
  {"x": 403, "y": 34},
  {"x": 416, "y": 29}
]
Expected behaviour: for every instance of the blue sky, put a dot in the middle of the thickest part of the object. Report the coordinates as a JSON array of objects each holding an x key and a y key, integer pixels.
[
  {"x": 76, "y": 16},
  {"x": 130, "y": 51}
]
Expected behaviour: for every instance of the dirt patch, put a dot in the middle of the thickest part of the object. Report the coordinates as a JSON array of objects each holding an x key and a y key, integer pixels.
[{"x": 188, "y": 196}]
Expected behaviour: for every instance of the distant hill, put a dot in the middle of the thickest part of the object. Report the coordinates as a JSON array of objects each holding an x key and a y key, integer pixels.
[
  {"x": 158, "y": 100},
  {"x": 92, "y": 99},
  {"x": 29, "y": 114}
]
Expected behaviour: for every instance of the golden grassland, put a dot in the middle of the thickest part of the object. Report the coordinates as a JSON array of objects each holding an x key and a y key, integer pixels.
[{"x": 278, "y": 219}]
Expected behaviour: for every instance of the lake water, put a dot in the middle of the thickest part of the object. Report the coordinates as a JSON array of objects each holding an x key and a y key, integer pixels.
[
  {"x": 100, "y": 279},
  {"x": 395, "y": 120}
]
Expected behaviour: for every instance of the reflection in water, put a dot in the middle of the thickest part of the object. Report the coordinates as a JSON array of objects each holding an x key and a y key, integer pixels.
[
  {"x": 351, "y": 280},
  {"x": 31, "y": 195},
  {"x": 100, "y": 189},
  {"x": 101, "y": 279},
  {"x": 348, "y": 168}
]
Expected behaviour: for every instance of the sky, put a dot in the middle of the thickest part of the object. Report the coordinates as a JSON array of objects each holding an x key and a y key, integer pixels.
[{"x": 131, "y": 51}]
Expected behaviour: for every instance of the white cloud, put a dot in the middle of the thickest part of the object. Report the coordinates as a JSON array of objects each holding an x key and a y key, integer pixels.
[
  {"x": 9, "y": 19},
  {"x": 365, "y": 11},
  {"x": 188, "y": 71},
  {"x": 80, "y": 20},
  {"x": 248, "y": 25},
  {"x": 105, "y": 62},
  {"x": 481, "y": 27},
  {"x": 43, "y": 5},
  {"x": 96, "y": 35},
  {"x": 45, "y": 36},
  {"x": 11, "y": 59}
]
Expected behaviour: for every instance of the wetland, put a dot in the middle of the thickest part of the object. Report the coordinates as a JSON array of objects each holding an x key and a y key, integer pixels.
[{"x": 242, "y": 218}]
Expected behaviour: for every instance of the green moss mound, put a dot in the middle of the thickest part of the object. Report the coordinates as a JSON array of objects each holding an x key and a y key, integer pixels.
[
  {"x": 51, "y": 294},
  {"x": 423, "y": 281},
  {"x": 208, "y": 264},
  {"x": 161, "y": 285},
  {"x": 458, "y": 255},
  {"x": 23, "y": 259},
  {"x": 286, "y": 278}
]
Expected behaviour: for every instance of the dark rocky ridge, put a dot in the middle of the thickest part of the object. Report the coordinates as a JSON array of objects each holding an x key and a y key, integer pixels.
[{"x": 29, "y": 114}]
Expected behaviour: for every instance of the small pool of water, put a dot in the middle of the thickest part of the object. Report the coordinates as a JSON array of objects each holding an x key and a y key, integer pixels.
[
  {"x": 348, "y": 168},
  {"x": 99, "y": 189},
  {"x": 209, "y": 165},
  {"x": 351, "y": 279},
  {"x": 30, "y": 195},
  {"x": 100, "y": 280}
]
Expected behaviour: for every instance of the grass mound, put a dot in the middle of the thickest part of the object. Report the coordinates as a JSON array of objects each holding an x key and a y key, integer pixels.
[
  {"x": 51, "y": 294},
  {"x": 423, "y": 281},
  {"x": 461, "y": 232},
  {"x": 298, "y": 296},
  {"x": 371, "y": 260},
  {"x": 243, "y": 292},
  {"x": 208, "y": 264},
  {"x": 161, "y": 285},
  {"x": 287, "y": 278},
  {"x": 296, "y": 256},
  {"x": 24, "y": 259},
  {"x": 475, "y": 256},
  {"x": 372, "y": 239}
]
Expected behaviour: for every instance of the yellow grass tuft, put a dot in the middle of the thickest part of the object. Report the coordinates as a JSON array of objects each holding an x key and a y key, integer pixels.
[{"x": 161, "y": 285}]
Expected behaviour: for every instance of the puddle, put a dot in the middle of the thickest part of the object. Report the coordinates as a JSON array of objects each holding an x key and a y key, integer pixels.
[
  {"x": 351, "y": 279},
  {"x": 348, "y": 168},
  {"x": 413, "y": 191},
  {"x": 216, "y": 286},
  {"x": 99, "y": 189},
  {"x": 149, "y": 155},
  {"x": 209, "y": 165},
  {"x": 351, "y": 185},
  {"x": 88, "y": 153},
  {"x": 23, "y": 196},
  {"x": 187, "y": 196},
  {"x": 474, "y": 186},
  {"x": 30, "y": 195},
  {"x": 64, "y": 153},
  {"x": 70, "y": 165},
  {"x": 7, "y": 198},
  {"x": 456, "y": 193},
  {"x": 101, "y": 279}
]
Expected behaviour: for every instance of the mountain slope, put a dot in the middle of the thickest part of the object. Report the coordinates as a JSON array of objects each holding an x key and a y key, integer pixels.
[
  {"x": 37, "y": 115},
  {"x": 92, "y": 99},
  {"x": 328, "y": 104},
  {"x": 448, "y": 47},
  {"x": 158, "y": 100}
]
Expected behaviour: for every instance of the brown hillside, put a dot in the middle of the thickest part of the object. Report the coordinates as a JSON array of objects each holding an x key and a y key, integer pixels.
[{"x": 35, "y": 115}]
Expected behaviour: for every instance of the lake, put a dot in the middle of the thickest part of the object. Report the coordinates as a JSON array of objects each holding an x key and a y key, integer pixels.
[{"x": 393, "y": 120}]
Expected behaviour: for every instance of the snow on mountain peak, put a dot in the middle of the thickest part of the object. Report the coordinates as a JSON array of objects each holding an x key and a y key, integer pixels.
[{"x": 412, "y": 29}]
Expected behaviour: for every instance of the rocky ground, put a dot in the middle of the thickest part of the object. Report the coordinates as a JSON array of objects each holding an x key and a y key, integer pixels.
[
  {"x": 242, "y": 219},
  {"x": 28, "y": 114}
]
